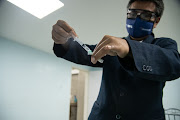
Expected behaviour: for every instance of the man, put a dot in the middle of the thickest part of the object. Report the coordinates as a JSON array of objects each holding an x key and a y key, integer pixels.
[{"x": 135, "y": 68}]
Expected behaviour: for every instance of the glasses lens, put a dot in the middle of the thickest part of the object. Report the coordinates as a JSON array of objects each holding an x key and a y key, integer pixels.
[
  {"x": 146, "y": 16},
  {"x": 132, "y": 15},
  {"x": 143, "y": 14}
]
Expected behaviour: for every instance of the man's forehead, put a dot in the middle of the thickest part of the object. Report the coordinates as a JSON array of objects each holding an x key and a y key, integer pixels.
[{"x": 144, "y": 5}]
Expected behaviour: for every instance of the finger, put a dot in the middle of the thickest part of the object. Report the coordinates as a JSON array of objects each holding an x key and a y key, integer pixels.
[
  {"x": 104, "y": 38},
  {"x": 55, "y": 40},
  {"x": 101, "y": 45},
  {"x": 59, "y": 41},
  {"x": 64, "y": 25},
  {"x": 59, "y": 30},
  {"x": 74, "y": 33},
  {"x": 57, "y": 36},
  {"x": 101, "y": 53},
  {"x": 115, "y": 50}
]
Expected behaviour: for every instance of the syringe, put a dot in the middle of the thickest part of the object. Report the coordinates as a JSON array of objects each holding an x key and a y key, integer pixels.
[{"x": 89, "y": 52}]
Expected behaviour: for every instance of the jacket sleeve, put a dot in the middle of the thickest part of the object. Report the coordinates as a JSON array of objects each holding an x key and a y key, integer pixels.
[
  {"x": 159, "y": 61},
  {"x": 73, "y": 52}
]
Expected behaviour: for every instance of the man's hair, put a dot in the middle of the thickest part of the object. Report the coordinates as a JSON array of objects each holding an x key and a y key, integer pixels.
[{"x": 159, "y": 6}]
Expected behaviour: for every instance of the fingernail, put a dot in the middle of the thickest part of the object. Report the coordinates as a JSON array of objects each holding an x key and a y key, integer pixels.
[
  {"x": 109, "y": 46},
  {"x": 93, "y": 60}
]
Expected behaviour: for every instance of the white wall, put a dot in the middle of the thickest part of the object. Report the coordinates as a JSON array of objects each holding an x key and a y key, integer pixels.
[
  {"x": 171, "y": 98},
  {"x": 33, "y": 85},
  {"x": 93, "y": 87}
]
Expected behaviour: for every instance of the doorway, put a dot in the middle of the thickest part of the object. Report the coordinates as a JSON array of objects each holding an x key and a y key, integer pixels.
[{"x": 79, "y": 95}]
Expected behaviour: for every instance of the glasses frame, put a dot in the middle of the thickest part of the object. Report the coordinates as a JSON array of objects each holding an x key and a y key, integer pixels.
[{"x": 153, "y": 14}]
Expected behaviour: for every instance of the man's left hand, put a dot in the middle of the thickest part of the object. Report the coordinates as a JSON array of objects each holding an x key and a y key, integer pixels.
[{"x": 112, "y": 46}]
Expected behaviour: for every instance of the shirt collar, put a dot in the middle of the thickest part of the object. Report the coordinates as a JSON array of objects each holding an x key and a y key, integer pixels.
[{"x": 149, "y": 39}]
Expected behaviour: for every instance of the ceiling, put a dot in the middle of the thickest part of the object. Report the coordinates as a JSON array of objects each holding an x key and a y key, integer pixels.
[{"x": 91, "y": 19}]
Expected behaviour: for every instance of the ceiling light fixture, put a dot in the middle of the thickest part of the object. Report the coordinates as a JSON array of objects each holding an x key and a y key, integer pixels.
[{"x": 38, "y": 8}]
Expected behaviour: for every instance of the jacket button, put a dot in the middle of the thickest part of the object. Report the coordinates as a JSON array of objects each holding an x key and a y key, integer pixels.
[
  {"x": 118, "y": 117},
  {"x": 121, "y": 94},
  {"x": 144, "y": 68}
]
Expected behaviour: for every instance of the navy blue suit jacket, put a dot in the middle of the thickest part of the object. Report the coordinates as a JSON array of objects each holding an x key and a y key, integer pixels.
[{"x": 131, "y": 88}]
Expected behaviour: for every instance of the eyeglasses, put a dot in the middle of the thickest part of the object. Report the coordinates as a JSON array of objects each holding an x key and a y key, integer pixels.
[{"x": 143, "y": 14}]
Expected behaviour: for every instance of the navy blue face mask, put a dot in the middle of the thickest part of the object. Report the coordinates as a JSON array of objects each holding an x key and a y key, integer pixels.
[{"x": 138, "y": 28}]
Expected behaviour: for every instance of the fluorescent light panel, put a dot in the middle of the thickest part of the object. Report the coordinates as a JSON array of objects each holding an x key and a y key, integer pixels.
[{"x": 38, "y": 8}]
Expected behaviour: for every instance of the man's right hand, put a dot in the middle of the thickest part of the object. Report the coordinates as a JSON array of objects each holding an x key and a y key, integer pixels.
[{"x": 61, "y": 32}]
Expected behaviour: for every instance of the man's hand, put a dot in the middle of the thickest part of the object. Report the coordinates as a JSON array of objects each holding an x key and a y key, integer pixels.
[
  {"x": 112, "y": 46},
  {"x": 61, "y": 32}
]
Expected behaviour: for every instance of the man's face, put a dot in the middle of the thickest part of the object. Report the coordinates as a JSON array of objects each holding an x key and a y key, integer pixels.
[{"x": 148, "y": 6}]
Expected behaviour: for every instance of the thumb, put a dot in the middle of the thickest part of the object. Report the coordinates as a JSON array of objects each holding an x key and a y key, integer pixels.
[{"x": 73, "y": 33}]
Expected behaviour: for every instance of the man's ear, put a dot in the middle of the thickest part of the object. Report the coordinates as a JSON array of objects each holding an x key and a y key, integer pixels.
[{"x": 156, "y": 22}]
